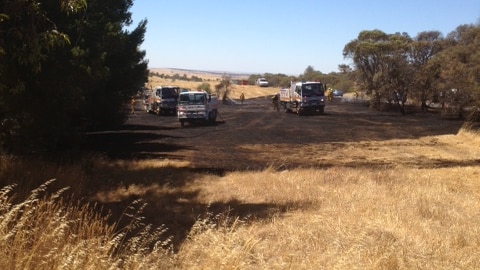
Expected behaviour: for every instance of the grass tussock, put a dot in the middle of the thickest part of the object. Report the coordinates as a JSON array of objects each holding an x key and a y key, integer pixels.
[{"x": 470, "y": 134}]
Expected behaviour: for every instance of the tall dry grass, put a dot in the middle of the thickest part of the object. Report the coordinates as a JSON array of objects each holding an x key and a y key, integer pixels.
[
  {"x": 346, "y": 219},
  {"x": 333, "y": 218},
  {"x": 46, "y": 231}
]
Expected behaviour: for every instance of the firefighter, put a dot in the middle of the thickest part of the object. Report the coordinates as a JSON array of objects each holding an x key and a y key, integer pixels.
[
  {"x": 132, "y": 105},
  {"x": 242, "y": 98},
  {"x": 275, "y": 99},
  {"x": 329, "y": 94}
]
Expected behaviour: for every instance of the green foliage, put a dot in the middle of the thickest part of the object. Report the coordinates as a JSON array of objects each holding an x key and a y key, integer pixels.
[
  {"x": 459, "y": 71},
  {"x": 176, "y": 76},
  {"x": 367, "y": 54},
  {"x": 463, "y": 58},
  {"x": 205, "y": 87},
  {"x": 252, "y": 78},
  {"x": 274, "y": 80},
  {"x": 74, "y": 68},
  {"x": 425, "y": 69},
  {"x": 310, "y": 74},
  {"x": 425, "y": 46},
  {"x": 343, "y": 80},
  {"x": 196, "y": 79},
  {"x": 343, "y": 68},
  {"x": 223, "y": 88}
]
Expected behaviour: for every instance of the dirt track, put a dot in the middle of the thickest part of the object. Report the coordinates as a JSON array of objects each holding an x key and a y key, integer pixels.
[{"x": 254, "y": 136}]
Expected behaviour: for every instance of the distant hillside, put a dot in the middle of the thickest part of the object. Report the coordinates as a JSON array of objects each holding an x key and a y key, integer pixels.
[{"x": 190, "y": 72}]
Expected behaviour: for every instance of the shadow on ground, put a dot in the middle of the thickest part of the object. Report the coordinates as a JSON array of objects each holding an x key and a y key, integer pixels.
[
  {"x": 131, "y": 144},
  {"x": 169, "y": 199}
]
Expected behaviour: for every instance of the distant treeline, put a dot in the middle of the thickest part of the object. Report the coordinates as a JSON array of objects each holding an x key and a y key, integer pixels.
[{"x": 177, "y": 76}]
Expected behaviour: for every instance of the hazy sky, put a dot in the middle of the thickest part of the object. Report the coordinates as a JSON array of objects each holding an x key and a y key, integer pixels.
[{"x": 282, "y": 36}]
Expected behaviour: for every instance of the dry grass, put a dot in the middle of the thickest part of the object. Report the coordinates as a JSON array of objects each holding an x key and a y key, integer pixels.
[
  {"x": 47, "y": 232},
  {"x": 340, "y": 217},
  {"x": 347, "y": 219},
  {"x": 250, "y": 91}
]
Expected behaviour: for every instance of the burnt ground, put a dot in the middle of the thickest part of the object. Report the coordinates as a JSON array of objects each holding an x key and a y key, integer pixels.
[{"x": 225, "y": 146}]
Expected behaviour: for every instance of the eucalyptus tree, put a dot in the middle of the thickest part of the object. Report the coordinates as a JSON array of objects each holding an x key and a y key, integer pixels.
[
  {"x": 382, "y": 61},
  {"x": 366, "y": 53},
  {"x": 397, "y": 73},
  {"x": 344, "y": 68},
  {"x": 460, "y": 67},
  {"x": 310, "y": 74},
  {"x": 224, "y": 87},
  {"x": 425, "y": 46}
]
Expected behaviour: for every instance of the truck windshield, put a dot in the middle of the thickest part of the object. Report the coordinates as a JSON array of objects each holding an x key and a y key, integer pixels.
[
  {"x": 192, "y": 99},
  {"x": 315, "y": 89},
  {"x": 169, "y": 92}
]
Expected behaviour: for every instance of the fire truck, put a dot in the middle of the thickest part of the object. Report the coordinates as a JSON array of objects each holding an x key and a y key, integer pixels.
[
  {"x": 303, "y": 97},
  {"x": 162, "y": 100},
  {"x": 197, "y": 106}
]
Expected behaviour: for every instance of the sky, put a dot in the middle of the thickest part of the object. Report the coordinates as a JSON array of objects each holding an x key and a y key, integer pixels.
[{"x": 281, "y": 36}]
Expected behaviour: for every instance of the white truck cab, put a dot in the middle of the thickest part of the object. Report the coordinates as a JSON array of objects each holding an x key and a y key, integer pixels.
[
  {"x": 262, "y": 82},
  {"x": 303, "y": 97},
  {"x": 197, "y": 106}
]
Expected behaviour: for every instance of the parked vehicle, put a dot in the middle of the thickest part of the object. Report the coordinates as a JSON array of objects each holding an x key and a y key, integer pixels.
[
  {"x": 262, "y": 82},
  {"x": 337, "y": 93},
  {"x": 163, "y": 100},
  {"x": 197, "y": 106},
  {"x": 303, "y": 97}
]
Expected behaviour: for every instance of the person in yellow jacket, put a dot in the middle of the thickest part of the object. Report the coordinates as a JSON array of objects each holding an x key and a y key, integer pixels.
[
  {"x": 329, "y": 94},
  {"x": 132, "y": 105}
]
